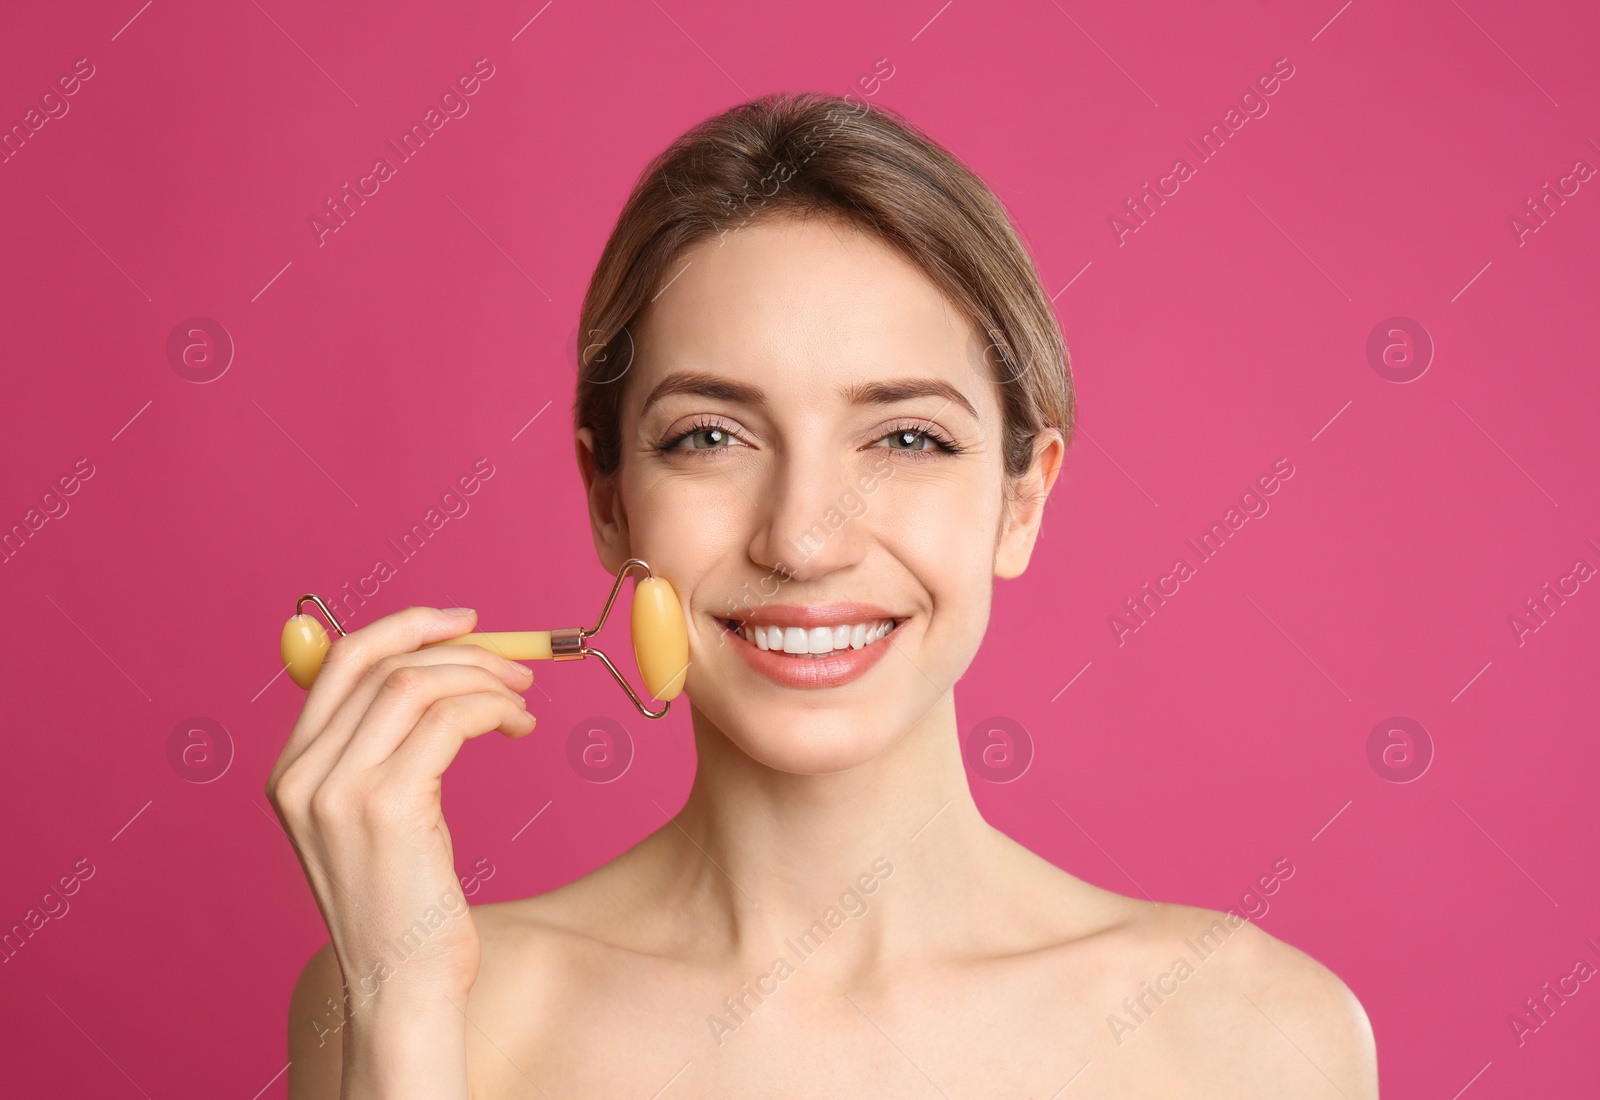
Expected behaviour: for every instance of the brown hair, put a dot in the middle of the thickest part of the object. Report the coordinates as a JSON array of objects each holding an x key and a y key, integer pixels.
[{"x": 810, "y": 154}]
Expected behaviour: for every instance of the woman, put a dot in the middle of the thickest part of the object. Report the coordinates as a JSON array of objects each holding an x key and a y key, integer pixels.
[{"x": 826, "y": 398}]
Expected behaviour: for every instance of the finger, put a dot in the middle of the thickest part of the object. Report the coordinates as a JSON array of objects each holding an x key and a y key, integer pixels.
[
  {"x": 405, "y": 695},
  {"x": 321, "y": 748},
  {"x": 419, "y": 762},
  {"x": 350, "y": 657}
]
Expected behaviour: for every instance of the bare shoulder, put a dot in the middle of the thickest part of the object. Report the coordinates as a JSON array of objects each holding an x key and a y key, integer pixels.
[
  {"x": 315, "y": 1026},
  {"x": 1265, "y": 1013}
]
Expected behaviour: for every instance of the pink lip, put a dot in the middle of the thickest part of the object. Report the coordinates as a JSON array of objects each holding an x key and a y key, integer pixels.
[
  {"x": 814, "y": 614},
  {"x": 835, "y": 670}
]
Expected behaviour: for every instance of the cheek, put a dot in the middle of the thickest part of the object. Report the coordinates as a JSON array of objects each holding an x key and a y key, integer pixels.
[{"x": 942, "y": 529}]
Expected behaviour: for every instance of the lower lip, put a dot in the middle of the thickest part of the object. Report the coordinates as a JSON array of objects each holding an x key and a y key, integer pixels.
[{"x": 838, "y": 668}]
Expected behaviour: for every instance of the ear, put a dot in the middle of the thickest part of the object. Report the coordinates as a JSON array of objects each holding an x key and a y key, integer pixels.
[
  {"x": 1020, "y": 522},
  {"x": 606, "y": 516}
]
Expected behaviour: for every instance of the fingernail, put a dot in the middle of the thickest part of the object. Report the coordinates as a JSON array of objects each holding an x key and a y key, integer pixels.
[{"x": 459, "y": 611}]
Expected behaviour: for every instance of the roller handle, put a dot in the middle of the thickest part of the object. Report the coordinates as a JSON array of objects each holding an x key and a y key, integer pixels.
[
  {"x": 514, "y": 645},
  {"x": 660, "y": 640}
]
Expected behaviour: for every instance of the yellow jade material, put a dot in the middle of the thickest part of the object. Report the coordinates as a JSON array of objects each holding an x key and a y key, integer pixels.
[
  {"x": 660, "y": 641},
  {"x": 514, "y": 645},
  {"x": 304, "y": 645},
  {"x": 660, "y": 638}
]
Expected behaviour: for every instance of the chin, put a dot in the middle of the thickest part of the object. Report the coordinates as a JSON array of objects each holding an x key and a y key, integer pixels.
[{"x": 801, "y": 739}]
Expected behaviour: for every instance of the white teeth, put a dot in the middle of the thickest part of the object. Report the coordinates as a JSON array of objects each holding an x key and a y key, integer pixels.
[{"x": 800, "y": 641}]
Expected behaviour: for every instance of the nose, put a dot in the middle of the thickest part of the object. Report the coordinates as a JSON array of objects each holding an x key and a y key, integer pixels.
[{"x": 812, "y": 517}]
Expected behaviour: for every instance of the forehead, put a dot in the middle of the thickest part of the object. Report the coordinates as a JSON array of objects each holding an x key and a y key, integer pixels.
[{"x": 803, "y": 308}]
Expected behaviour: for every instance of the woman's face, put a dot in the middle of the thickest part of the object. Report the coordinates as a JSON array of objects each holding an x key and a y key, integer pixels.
[{"x": 790, "y": 401}]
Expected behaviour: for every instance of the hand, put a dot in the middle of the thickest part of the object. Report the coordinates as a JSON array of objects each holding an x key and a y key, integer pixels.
[{"x": 358, "y": 790}]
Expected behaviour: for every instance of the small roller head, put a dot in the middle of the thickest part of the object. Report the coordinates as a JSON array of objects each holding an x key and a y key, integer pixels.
[
  {"x": 660, "y": 638},
  {"x": 303, "y": 646}
]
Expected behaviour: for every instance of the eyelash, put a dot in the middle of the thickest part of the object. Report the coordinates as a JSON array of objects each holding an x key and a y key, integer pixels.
[{"x": 943, "y": 443}]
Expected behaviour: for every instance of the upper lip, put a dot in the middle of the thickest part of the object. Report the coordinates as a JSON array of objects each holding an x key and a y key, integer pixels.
[{"x": 810, "y": 615}]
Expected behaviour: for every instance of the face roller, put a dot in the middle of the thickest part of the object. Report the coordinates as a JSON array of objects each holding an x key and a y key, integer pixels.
[{"x": 660, "y": 640}]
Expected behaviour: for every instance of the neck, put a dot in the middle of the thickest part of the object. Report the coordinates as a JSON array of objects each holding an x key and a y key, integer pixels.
[{"x": 891, "y": 853}]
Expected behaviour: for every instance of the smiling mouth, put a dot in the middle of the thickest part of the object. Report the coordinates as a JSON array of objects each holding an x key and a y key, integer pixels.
[{"x": 813, "y": 642}]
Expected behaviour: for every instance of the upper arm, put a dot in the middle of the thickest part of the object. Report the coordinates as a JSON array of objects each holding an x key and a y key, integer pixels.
[{"x": 316, "y": 1044}]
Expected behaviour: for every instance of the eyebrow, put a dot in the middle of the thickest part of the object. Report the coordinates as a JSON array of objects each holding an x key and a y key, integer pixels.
[{"x": 887, "y": 392}]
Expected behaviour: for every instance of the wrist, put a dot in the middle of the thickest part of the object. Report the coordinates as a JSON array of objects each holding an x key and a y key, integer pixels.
[{"x": 406, "y": 1051}]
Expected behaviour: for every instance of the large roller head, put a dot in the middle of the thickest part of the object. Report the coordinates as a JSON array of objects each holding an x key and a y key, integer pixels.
[{"x": 660, "y": 638}]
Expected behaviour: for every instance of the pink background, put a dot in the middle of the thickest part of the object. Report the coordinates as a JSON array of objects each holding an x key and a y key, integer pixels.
[{"x": 370, "y": 372}]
